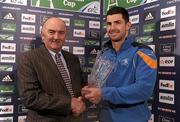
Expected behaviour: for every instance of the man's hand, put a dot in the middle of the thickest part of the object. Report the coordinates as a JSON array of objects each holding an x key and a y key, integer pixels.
[
  {"x": 77, "y": 106},
  {"x": 93, "y": 94}
]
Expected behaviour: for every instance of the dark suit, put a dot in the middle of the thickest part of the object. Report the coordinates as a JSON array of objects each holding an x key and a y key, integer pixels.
[{"x": 42, "y": 88}]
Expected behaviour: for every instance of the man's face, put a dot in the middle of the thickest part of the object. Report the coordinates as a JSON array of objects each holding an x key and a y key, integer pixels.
[
  {"x": 116, "y": 27},
  {"x": 54, "y": 34}
]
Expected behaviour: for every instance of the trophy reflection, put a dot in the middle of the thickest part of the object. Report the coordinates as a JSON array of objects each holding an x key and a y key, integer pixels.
[{"x": 102, "y": 68}]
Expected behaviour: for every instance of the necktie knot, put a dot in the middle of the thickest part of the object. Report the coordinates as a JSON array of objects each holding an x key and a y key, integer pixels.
[{"x": 57, "y": 55}]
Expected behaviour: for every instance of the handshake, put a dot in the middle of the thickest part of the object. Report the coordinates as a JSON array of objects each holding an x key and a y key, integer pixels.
[{"x": 93, "y": 94}]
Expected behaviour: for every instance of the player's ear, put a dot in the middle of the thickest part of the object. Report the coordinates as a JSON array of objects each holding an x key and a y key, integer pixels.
[{"x": 128, "y": 26}]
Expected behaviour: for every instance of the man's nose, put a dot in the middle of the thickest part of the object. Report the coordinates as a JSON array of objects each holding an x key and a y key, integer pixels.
[
  {"x": 56, "y": 35},
  {"x": 112, "y": 26}
]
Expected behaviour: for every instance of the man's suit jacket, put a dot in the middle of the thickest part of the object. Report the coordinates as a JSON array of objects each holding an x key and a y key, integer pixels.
[{"x": 42, "y": 88}]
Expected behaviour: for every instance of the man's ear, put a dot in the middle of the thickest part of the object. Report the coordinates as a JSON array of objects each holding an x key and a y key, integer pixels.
[
  {"x": 128, "y": 25},
  {"x": 42, "y": 35}
]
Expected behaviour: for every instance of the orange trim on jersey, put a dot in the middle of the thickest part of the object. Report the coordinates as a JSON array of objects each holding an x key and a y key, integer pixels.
[{"x": 148, "y": 60}]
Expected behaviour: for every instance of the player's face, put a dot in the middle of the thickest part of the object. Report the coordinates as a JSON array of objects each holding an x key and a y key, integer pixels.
[{"x": 116, "y": 27}]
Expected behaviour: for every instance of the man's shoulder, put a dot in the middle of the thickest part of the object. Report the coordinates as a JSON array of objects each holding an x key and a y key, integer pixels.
[
  {"x": 66, "y": 53},
  {"x": 141, "y": 46},
  {"x": 143, "y": 50},
  {"x": 69, "y": 57},
  {"x": 33, "y": 52}
]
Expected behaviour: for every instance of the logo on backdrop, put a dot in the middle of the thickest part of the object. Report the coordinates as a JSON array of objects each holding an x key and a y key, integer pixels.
[
  {"x": 10, "y": 27},
  {"x": 6, "y": 37},
  {"x": 94, "y": 24},
  {"x": 79, "y": 23},
  {"x": 66, "y": 20},
  {"x": 9, "y": 47},
  {"x": 166, "y": 98},
  {"x": 167, "y": 48},
  {"x": 165, "y": 119},
  {"x": 134, "y": 30},
  {"x": 94, "y": 34},
  {"x": 5, "y": 99},
  {"x": 6, "y": 109},
  {"x": 149, "y": 15},
  {"x": 8, "y": 15},
  {"x": 150, "y": 27},
  {"x": 168, "y": 12},
  {"x": 78, "y": 33},
  {"x": 168, "y": 25},
  {"x": 7, "y": 119},
  {"x": 22, "y": 109},
  {"x": 7, "y": 58},
  {"x": 28, "y": 29},
  {"x": 31, "y": 18},
  {"x": 144, "y": 39},
  {"x": 134, "y": 19},
  {"x": 17, "y": 2},
  {"x": 92, "y": 8},
  {"x": 7, "y": 89},
  {"x": 166, "y": 84},
  {"x": 78, "y": 50},
  {"x": 66, "y": 48},
  {"x": 7, "y": 78},
  {"x": 22, "y": 118},
  {"x": 6, "y": 68},
  {"x": 167, "y": 61},
  {"x": 26, "y": 47}
]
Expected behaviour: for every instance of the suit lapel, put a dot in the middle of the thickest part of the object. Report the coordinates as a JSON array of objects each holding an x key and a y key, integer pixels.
[{"x": 52, "y": 64}]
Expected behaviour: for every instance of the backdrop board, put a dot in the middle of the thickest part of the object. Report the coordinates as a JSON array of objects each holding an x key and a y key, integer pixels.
[
  {"x": 20, "y": 25},
  {"x": 156, "y": 24}
]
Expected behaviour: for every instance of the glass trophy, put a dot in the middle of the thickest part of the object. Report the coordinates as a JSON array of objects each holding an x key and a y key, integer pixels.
[{"x": 101, "y": 70}]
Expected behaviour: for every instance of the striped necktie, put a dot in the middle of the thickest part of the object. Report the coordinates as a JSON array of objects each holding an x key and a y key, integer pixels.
[{"x": 64, "y": 74}]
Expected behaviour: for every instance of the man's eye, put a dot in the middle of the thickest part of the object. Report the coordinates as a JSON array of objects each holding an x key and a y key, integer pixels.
[
  {"x": 108, "y": 23},
  {"x": 51, "y": 32},
  {"x": 118, "y": 22},
  {"x": 61, "y": 32}
]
